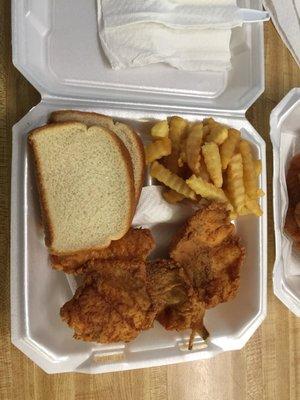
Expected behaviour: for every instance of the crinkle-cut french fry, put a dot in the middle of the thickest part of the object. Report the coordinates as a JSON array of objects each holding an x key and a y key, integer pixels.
[
  {"x": 172, "y": 197},
  {"x": 193, "y": 148},
  {"x": 182, "y": 155},
  {"x": 206, "y": 190},
  {"x": 177, "y": 130},
  {"x": 218, "y": 134},
  {"x": 250, "y": 178},
  {"x": 260, "y": 193},
  {"x": 203, "y": 173},
  {"x": 257, "y": 167},
  {"x": 245, "y": 211},
  {"x": 233, "y": 215},
  {"x": 206, "y": 131},
  {"x": 212, "y": 160},
  {"x": 253, "y": 206},
  {"x": 228, "y": 147},
  {"x": 209, "y": 121},
  {"x": 171, "y": 161},
  {"x": 171, "y": 180},
  {"x": 160, "y": 129},
  {"x": 235, "y": 182},
  {"x": 158, "y": 149}
]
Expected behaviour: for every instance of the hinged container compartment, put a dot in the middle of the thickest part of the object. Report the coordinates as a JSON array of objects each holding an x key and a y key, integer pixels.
[
  {"x": 56, "y": 47},
  {"x": 285, "y": 136}
]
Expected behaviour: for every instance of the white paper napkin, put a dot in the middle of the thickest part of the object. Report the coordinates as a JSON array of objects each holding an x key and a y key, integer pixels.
[
  {"x": 162, "y": 218},
  {"x": 189, "y": 35},
  {"x": 286, "y": 18}
]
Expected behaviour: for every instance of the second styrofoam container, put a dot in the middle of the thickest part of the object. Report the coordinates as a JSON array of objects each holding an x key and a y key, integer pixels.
[{"x": 285, "y": 136}]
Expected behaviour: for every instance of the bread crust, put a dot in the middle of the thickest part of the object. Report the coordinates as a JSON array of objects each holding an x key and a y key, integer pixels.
[
  {"x": 135, "y": 138},
  {"x": 68, "y": 116},
  {"x": 48, "y": 227}
]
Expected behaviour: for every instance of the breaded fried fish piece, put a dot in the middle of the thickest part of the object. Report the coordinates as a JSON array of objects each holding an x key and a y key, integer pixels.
[
  {"x": 178, "y": 305},
  {"x": 209, "y": 226},
  {"x": 211, "y": 254},
  {"x": 113, "y": 304},
  {"x": 137, "y": 243}
]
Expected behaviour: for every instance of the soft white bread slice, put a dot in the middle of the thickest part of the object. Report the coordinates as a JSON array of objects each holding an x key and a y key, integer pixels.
[
  {"x": 85, "y": 183},
  {"x": 131, "y": 140}
]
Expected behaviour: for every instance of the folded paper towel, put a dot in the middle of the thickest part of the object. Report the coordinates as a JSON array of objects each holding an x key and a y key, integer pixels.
[
  {"x": 187, "y": 34},
  {"x": 286, "y": 18}
]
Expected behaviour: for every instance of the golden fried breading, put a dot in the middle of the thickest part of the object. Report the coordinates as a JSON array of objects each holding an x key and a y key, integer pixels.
[
  {"x": 291, "y": 227},
  {"x": 216, "y": 275},
  {"x": 113, "y": 304},
  {"x": 209, "y": 226},
  {"x": 292, "y": 181},
  {"x": 94, "y": 319},
  {"x": 168, "y": 282},
  {"x": 172, "y": 292},
  {"x": 210, "y": 254},
  {"x": 137, "y": 243},
  {"x": 292, "y": 219}
]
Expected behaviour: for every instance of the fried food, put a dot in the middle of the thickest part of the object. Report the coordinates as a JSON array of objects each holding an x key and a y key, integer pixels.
[
  {"x": 213, "y": 164},
  {"x": 250, "y": 178},
  {"x": 227, "y": 148},
  {"x": 297, "y": 214},
  {"x": 235, "y": 183},
  {"x": 172, "y": 197},
  {"x": 172, "y": 163},
  {"x": 257, "y": 167},
  {"x": 209, "y": 121},
  {"x": 210, "y": 225},
  {"x": 203, "y": 173},
  {"x": 292, "y": 219},
  {"x": 253, "y": 206},
  {"x": 121, "y": 298},
  {"x": 173, "y": 181},
  {"x": 160, "y": 130},
  {"x": 218, "y": 134},
  {"x": 137, "y": 243},
  {"x": 158, "y": 149},
  {"x": 113, "y": 304},
  {"x": 175, "y": 298},
  {"x": 204, "y": 150},
  {"x": 193, "y": 148},
  {"x": 182, "y": 159},
  {"x": 292, "y": 181},
  {"x": 206, "y": 189},
  {"x": 210, "y": 253},
  {"x": 177, "y": 130}
]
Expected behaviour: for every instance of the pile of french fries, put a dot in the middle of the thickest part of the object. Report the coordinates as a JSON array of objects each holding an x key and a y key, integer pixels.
[{"x": 205, "y": 160}]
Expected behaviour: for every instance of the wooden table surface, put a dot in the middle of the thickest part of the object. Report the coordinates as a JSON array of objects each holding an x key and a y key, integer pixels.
[{"x": 269, "y": 365}]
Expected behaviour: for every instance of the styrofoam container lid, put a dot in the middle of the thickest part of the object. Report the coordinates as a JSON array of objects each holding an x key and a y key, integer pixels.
[
  {"x": 285, "y": 136},
  {"x": 56, "y": 47}
]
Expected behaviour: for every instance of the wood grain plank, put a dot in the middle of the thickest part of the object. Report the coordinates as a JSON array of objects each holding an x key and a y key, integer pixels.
[{"x": 269, "y": 365}]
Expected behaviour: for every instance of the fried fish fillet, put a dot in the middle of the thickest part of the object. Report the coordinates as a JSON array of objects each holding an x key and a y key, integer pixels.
[
  {"x": 113, "y": 304},
  {"x": 175, "y": 298},
  {"x": 137, "y": 243},
  {"x": 292, "y": 220},
  {"x": 210, "y": 253}
]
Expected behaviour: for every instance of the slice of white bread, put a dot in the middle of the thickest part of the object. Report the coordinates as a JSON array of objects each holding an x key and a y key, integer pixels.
[
  {"x": 85, "y": 182},
  {"x": 131, "y": 140}
]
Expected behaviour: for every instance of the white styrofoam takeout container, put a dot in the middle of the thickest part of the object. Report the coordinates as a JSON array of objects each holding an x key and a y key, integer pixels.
[
  {"x": 285, "y": 136},
  {"x": 55, "y": 45}
]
